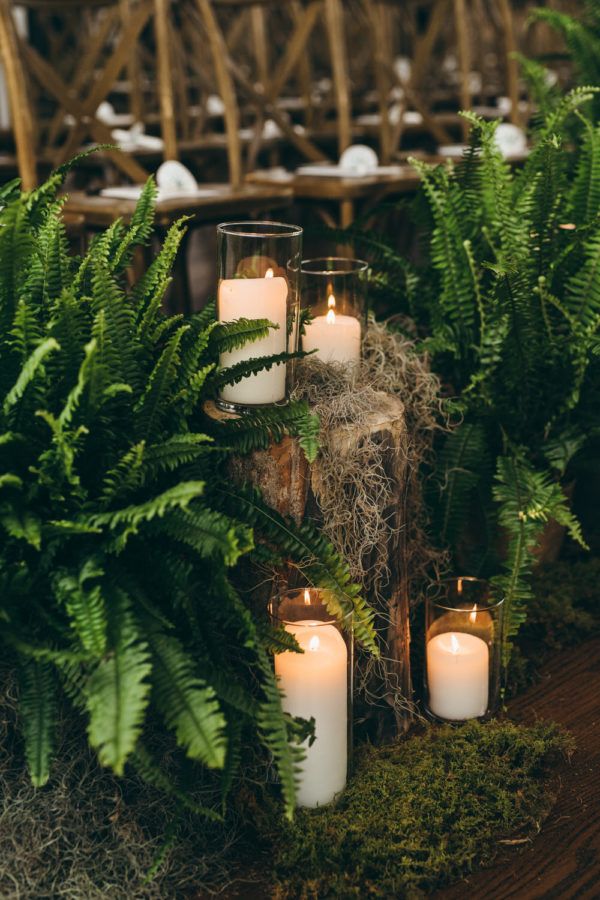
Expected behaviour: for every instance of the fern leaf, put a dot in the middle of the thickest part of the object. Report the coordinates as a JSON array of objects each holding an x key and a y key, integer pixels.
[
  {"x": 142, "y": 221},
  {"x": 39, "y": 714},
  {"x": 321, "y": 565},
  {"x": 209, "y": 533},
  {"x": 178, "y": 496},
  {"x": 189, "y": 706},
  {"x": 85, "y": 605},
  {"x": 234, "y": 374},
  {"x": 118, "y": 689},
  {"x": 228, "y": 336},
  {"x": 154, "y": 402},
  {"x": 31, "y": 368}
]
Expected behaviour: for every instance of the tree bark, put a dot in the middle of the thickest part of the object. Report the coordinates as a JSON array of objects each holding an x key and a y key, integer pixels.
[{"x": 293, "y": 487}]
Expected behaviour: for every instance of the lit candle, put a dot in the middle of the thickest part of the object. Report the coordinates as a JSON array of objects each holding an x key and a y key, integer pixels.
[
  {"x": 457, "y": 675},
  {"x": 256, "y": 298},
  {"x": 336, "y": 338},
  {"x": 315, "y": 685},
  {"x": 474, "y": 620}
]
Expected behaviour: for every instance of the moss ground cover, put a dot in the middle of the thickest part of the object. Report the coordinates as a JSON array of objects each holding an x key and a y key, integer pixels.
[
  {"x": 417, "y": 814},
  {"x": 421, "y": 813}
]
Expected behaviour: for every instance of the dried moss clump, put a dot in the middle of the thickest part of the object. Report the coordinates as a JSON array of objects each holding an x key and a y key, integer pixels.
[
  {"x": 419, "y": 814},
  {"x": 88, "y": 835}
]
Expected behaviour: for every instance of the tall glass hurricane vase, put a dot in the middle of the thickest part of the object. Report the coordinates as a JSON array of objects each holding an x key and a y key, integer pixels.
[
  {"x": 258, "y": 272},
  {"x": 334, "y": 291},
  {"x": 463, "y": 650},
  {"x": 317, "y": 684}
]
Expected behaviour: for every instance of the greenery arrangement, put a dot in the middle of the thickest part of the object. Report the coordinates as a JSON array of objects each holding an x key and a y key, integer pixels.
[
  {"x": 581, "y": 35},
  {"x": 95, "y": 835},
  {"x": 506, "y": 297},
  {"x": 121, "y": 528},
  {"x": 412, "y": 818}
]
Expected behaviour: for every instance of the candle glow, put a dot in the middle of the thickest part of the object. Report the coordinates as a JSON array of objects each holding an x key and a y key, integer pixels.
[{"x": 314, "y": 685}]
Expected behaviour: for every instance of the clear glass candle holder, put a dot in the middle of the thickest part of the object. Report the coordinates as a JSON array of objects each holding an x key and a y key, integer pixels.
[
  {"x": 334, "y": 291},
  {"x": 318, "y": 684},
  {"x": 258, "y": 275},
  {"x": 464, "y": 625}
]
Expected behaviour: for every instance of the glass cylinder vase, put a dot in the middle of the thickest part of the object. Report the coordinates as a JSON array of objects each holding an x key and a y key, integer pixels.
[
  {"x": 318, "y": 684},
  {"x": 258, "y": 278},
  {"x": 334, "y": 291},
  {"x": 464, "y": 626}
]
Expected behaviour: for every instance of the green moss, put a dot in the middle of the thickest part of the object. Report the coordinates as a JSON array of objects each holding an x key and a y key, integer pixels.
[{"x": 421, "y": 813}]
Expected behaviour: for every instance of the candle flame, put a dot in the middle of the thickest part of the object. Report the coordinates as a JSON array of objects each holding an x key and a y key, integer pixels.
[
  {"x": 331, "y": 301},
  {"x": 454, "y": 645},
  {"x": 307, "y": 597},
  {"x": 473, "y": 614},
  {"x": 330, "y": 317},
  {"x": 314, "y": 643},
  {"x": 269, "y": 273}
]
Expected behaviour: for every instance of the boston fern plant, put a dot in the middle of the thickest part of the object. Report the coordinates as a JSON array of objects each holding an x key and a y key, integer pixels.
[
  {"x": 506, "y": 297},
  {"x": 120, "y": 527}
]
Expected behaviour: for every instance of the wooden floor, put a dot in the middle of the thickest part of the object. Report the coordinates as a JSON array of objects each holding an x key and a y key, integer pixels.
[{"x": 563, "y": 862}]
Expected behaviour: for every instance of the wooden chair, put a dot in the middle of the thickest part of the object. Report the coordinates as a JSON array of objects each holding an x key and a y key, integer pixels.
[
  {"x": 468, "y": 28},
  {"x": 22, "y": 62}
]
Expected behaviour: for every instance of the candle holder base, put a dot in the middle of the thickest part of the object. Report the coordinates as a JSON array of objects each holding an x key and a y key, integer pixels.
[
  {"x": 242, "y": 409},
  {"x": 438, "y": 720}
]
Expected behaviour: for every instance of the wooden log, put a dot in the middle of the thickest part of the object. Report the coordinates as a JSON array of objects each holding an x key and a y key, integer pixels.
[{"x": 294, "y": 488}]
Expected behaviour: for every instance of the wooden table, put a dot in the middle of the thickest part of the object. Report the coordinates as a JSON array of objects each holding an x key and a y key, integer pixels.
[
  {"x": 225, "y": 204},
  {"x": 368, "y": 190},
  {"x": 99, "y": 212},
  {"x": 563, "y": 862}
]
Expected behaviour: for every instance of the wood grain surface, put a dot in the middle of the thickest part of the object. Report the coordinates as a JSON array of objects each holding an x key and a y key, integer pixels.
[{"x": 563, "y": 862}]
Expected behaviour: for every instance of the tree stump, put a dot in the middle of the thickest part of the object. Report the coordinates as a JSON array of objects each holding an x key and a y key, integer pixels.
[{"x": 293, "y": 487}]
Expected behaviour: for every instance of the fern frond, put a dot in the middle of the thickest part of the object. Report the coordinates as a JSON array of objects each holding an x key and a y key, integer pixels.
[
  {"x": 178, "y": 496},
  {"x": 228, "y": 336},
  {"x": 260, "y": 428},
  {"x": 527, "y": 500},
  {"x": 118, "y": 689},
  {"x": 31, "y": 368},
  {"x": 189, "y": 706},
  {"x": 142, "y": 221},
  {"x": 209, "y": 533},
  {"x": 234, "y": 374},
  {"x": 85, "y": 605},
  {"x": 321, "y": 565},
  {"x": 38, "y": 713},
  {"x": 275, "y": 729},
  {"x": 154, "y": 402}
]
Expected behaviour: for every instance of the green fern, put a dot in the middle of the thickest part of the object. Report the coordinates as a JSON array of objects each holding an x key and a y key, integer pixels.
[
  {"x": 118, "y": 689},
  {"x": 38, "y": 709},
  {"x": 527, "y": 501},
  {"x": 189, "y": 705},
  {"x": 117, "y": 548}
]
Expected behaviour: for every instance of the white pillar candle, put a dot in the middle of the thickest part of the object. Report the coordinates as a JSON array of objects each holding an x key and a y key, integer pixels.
[
  {"x": 256, "y": 298},
  {"x": 315, "y": 685},
  {"x": 457, "y": 675},
  {"x": 335, "y": 337}
]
